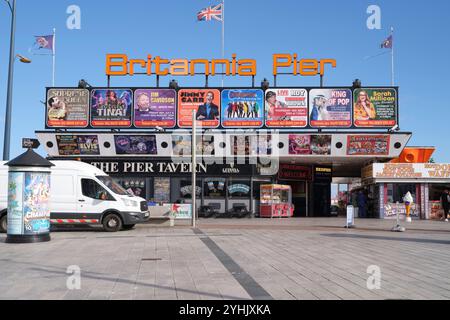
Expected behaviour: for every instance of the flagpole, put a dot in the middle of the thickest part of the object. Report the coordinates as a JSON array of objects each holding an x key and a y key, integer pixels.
[
  {"x": 392, "y": 57},
  {"x": 54, "y": 56},
  {"x": 223, "y": 37}
]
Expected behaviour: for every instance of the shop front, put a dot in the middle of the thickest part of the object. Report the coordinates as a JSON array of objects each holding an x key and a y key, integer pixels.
[
  {"x": 161, "y": 181},
  {"x": 391, "y": 181}
]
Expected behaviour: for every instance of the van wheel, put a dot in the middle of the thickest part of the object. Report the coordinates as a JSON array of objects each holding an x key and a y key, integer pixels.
[
  {"x": 3, "y": 224},
  {"x": 112, "y": 223},
  {"x": 128, "y": 226}
]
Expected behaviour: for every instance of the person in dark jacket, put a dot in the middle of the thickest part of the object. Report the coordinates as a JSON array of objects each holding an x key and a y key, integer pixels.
[{"x": 445, "y": 201}]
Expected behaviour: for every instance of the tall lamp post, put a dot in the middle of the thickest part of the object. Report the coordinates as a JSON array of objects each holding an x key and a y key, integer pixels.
[
  {"x": 12, "y": 57},
  {"x": 7, "y": 135}
]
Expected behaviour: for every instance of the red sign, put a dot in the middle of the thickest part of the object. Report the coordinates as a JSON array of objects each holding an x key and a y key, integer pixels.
[{"x": 294, "y": 172}]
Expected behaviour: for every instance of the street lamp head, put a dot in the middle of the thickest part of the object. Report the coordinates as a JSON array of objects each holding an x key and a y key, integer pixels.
[{"x": 23, "y": 59}]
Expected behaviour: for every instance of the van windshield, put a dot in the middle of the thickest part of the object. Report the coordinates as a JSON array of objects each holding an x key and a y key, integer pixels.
[{"x": 114, "y": 186}]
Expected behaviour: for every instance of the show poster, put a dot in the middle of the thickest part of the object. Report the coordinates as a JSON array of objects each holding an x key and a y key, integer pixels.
[
  {"x": 135, "y": 145},
  {"x": 181, "y": 145},
  {"x": 74, "y": 145},
  {"x": 155, "y": 108},
  {"x": 242, "y": 108},
  {"x": 36, "y": 210},
  {"x": 330, "y": 108},
  {"x": 67, "y": 108},
  {"x": 205, "y": 103},
  {"x": 309, "y": 144},
  {"x": 368, "y": 145},
  {"x": 88, "y": 145},
  {"x": 68, "y": 145},
  {"x": 375, "y": 107},
  {"x": 286, "y": 108},
  {"x": 111, "y": 108}
]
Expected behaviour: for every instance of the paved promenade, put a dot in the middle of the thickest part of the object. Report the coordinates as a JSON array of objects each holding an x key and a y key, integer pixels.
[{"x": 235, "y": 259}]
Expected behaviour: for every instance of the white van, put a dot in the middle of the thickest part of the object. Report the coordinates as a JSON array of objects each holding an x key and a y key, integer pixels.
[{"x": 83, "y": 194}]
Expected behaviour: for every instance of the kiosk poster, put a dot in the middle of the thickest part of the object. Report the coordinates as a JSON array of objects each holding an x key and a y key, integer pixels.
[
  {"x": 36, "y": 211},
  {"x": 111, "y": 108},
  {"x": 205, "y": 102},
  {"x": 375, "y": 107},
  {"x": 242, "y": 108},
  {"x": 330, "y": 108},
  {"x": 155, "y": 108},
  {"x": 373, "y": 145},
  {"x": 286, "y": 108},
  {"x": 135, "y": 145},
  {"x": 67, "y": 108},
  {"x": 15, "y": 203}
]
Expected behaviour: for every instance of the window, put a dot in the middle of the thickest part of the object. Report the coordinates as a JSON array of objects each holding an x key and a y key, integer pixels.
[
  {"x": 396, "y": 192},
  {"x": 214, "y": 188},
  {"x": 239, "y": 189},
  {"x": 93, "y": 190},
  {"x": 161, "y": 189},
  {"x": 113, "y": 185}
]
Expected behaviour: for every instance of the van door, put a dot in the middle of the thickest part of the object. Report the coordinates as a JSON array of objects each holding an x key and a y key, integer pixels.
[{"x": 93, "y": 199}]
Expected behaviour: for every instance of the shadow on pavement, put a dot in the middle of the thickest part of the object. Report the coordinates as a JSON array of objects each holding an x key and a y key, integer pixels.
[{"x": 359, "y": 236}]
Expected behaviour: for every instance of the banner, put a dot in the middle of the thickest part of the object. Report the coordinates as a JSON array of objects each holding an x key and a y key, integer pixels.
[
  {"x": 368, "y": 145},
  {"x": 375, "y": 107},
  {"x": 155, "y": 107},
  {"x": 73, "y": 145},
  {"x": 242, "y": 108},
  {"x": 309, "y": 144},
  {"x": 135, "y": 145},
  {"x": 111, "y": 108},
  {"x": 330, "y": 108},
  {"x": 286, "y": 108},
  {"x": 67, "y": 108},
  {"x": 205, "y": 102}
]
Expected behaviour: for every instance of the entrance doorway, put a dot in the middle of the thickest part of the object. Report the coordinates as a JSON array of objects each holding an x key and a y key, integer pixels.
[{"x": 299, "y": 197}]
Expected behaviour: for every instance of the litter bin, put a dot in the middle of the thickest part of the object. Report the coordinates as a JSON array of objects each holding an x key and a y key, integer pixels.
[{"x": 28, "y": 199}]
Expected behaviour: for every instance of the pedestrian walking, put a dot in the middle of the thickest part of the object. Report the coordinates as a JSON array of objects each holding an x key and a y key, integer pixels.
[{"x": 445, "y": 201}]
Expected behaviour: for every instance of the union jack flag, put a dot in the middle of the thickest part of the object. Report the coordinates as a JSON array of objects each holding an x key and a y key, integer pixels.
[{"x": 212, "y": 12}]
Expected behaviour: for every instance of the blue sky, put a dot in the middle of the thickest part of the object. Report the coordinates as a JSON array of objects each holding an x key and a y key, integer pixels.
[{"x": 254, "y": 29}]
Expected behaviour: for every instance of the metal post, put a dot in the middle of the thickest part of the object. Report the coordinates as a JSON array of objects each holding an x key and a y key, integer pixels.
[
  {"x": 194, "y": 168},
  {"x": 9, "y": 95},
  {"x": 206, "y": 81},
  {"x": 274, "y": 81},
  {"x": 321, "y": 80},
  {"x": 157, "y": 81},
  {"x": 253, "y": 81},
  {"x": 109, "y": 81}
]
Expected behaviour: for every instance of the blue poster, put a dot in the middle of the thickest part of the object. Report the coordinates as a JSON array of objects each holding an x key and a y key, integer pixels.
[
  {"x": 15, "y": 201},
  {"x": 242, "y": 108},
  {"x": 36, "y": 211}
]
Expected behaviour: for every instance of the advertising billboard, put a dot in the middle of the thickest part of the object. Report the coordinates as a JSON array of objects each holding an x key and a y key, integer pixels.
[
  {"x": 375, "y": 107},
  {"x": 309, "y": 144},
  {"x": 205, "y": 102},
  {"x": 242, "y": 108},
  {"x": 135, "y": 145},
  {"x": 330, "y": 108},
  {"x": 73, "y": 145},
  {"x": 286, "y": 108},
  {"x": 111, "y": 108},
  {"x": 368, "y": 145},
  {"x": 67, "y": 108},
  {"x": 155, "y": 108}
]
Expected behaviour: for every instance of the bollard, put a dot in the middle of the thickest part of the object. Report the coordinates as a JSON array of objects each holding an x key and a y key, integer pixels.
[{"x": 28, "y": 199}]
